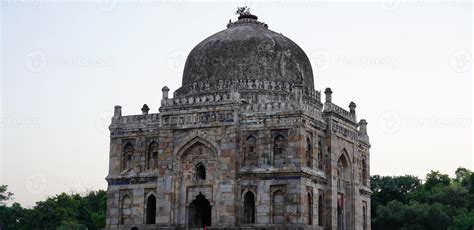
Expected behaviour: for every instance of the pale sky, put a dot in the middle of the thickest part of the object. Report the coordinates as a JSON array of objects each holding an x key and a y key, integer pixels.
[{"x": 406, "y": 64}]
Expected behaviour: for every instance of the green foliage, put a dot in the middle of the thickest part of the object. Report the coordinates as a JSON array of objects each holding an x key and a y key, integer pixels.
[
  {"x": 98, "y": 219},
  {"x": 63, "y": 211},
  {"x": 396, "y": 215},
  {"x": 4, "y": 194},
  {"x": 435, "y": 178},
  {"x": 463, "y": 221},
  {"x": 386, "y": 189},
  {"x": 67, "y": 225},
  {"x": 441, "y": 202}
]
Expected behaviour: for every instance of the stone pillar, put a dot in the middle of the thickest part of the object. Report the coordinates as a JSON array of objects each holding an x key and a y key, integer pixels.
[
  {"x": 164, "y": 99},
  {"x": 234, "y": 94},
  {"x": 352, "y": 107},
  {"x": 117, "y": 111},
  {"x": 328, "y": 93},
  {"x": 363, "y": 131},
  {"x": 299, "y": 93},
  {"x": 145, "y": 109},
  {"x": 363, "y": 127},
  {"x": 165, "y": 91}
]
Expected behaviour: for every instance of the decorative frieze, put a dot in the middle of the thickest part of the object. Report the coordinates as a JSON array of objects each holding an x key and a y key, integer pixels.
[
  {"x": 136, "y": 119},
  {"x": 225, "y": 85},
  {"x": 213, "y": 98},
  {"x": 242, "y": 85},
  {"x": 202, "y": 118},
  {"x": 280, "y": 106}
]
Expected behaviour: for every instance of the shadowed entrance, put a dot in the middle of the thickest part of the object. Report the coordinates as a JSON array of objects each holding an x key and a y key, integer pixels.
[
  {"x": 199, "y": 212},
  {"x": 151, "y": 210}
]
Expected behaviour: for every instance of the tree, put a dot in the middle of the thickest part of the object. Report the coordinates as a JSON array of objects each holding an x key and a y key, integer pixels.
[
  {"x": 453, "y": 194},
  {"x": 66, "y": 225},
  {"x": 462, "y": 174},
  {"x": 393, "y": 188},
  {"x": 439, "y": 203},
  {"x": 396, "y": 215},
  {"x": 63, "y": 211},
  {"x": 4, "y": 194},
  {"x": 464, "y": 221},
  {"x": 435, "y": 178},
  {"x": 387, "y": 188}
]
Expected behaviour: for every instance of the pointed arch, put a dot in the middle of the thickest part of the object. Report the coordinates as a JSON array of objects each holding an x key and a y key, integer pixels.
[
  {"x": 309, "y": 197},
  {"x": 151, "y": 193},
  {"x": 320, "y": 156},
  {"x": 279, "y": 146},
  {"x": 309, "y": 152},
  {"x": 343, "y": 166},
  {"x": 344, "y": 214},
  {"x": 250, "y": 155},
  {"x": 364, "y": 217},
  {"x": 190, "y": 142},
  {"x": 152, "y": 155},
  {"x": 127, "y": 156},
  {"x": 320, "y": 210},
  {"x": 150, "y": 209},
  {"x": 278, "y": 207},
  {"x": 249, "y": 207},
  {"x": 126, "y": 210},
  {"x": 200, "y": 172},
  {"x": 346, "y": 157}
]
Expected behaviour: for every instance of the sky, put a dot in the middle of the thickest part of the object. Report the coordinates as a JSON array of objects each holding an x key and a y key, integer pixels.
[{"x": 64, "y": 66}]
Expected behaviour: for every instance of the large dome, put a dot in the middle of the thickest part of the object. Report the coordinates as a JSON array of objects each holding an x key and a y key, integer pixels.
[{"x": 248, "y": 50}]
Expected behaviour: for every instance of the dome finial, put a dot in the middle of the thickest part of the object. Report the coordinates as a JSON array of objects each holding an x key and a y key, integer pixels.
[{"x": 244, "y": 12}]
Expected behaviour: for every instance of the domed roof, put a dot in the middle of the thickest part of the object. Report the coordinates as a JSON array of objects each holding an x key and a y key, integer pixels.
[{"x": 248, "y": 50}]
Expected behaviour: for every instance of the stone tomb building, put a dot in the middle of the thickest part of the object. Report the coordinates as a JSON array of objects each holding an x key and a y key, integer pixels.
[{"x": 245, "y": 142}]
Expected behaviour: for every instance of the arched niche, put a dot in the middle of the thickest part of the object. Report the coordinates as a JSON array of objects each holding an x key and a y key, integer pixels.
[
  {"x": 344, "y": 191},
  {"x": 249, "y": 207}
]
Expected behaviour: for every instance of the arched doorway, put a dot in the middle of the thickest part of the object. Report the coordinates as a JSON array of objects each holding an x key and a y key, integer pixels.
[
  {"x": 309, "y": 153},
  {"x": 249, "y": 208},
  {"x": 250, "y": 156},
  {"x": 364, "y": 217},
  {"x": 344, "y": 199},
  {"x": 199, "y": 212},
  {"x": 310, "y": 209},
  {"x": 150, "y": 210},
  {"x": 320, "y": 211}
]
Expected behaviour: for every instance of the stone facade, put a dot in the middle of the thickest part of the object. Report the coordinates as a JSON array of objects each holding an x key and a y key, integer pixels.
[{"x": 240, "y": 153}]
